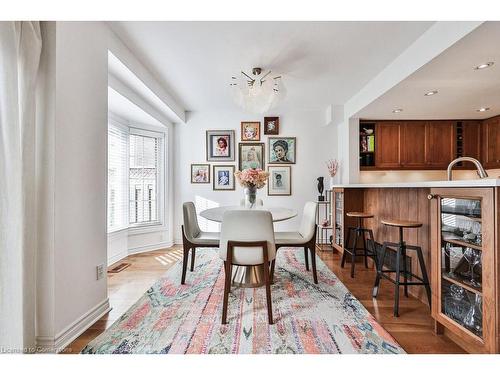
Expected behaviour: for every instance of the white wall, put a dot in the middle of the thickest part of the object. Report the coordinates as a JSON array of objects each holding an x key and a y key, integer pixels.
[
  {"x": 80, "y": 168},
  {"x": 71, "y": 178},
  {"x": 315, "y": 144}
]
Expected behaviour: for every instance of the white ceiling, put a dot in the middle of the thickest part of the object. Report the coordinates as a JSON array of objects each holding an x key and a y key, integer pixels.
[
  {"x": 322, "y": 63},
  {"x": 462, "y": 90},
  {"x": 128, "y": 111}
]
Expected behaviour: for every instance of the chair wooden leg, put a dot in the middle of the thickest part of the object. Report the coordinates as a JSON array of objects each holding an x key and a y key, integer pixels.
[
  {"x": 185, "y": 256},
  {"x": 267, "y": 281},
  {"x": 271, "y": 272},
  {"x": 227, "y": 288},
  {"x": 268, "y": 295},
  {"x": 313, "y": 261},
  {"x": 306, "y": 257},
  {"x": 193, "y": 255}
]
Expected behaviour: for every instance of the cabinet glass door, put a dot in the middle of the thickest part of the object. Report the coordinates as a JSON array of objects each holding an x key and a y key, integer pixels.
[
  {"x": 338, "y": 213},
  {"x": 462, "y": 262}
]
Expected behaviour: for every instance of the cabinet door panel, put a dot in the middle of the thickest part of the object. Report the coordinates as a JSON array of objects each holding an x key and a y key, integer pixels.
[
  {"x": 440, "y": 145},
  {"x": 413, "y": 144},
  {"x": 387, "y": 138},
  {"x": 471, "y": 139},
  {"x": 491, "y": 142}
]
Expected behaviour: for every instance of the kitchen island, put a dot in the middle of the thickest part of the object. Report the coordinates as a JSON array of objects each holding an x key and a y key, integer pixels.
[{"x": 459, "y": 233}]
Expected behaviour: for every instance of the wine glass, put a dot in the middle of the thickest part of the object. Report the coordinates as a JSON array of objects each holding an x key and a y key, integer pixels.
[{"x": 472, "y": 258}]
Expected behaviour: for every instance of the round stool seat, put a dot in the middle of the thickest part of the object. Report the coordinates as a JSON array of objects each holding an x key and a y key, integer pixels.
[
  {"x": 401, "y": 223},
  {"x": 361, "y": 215}
]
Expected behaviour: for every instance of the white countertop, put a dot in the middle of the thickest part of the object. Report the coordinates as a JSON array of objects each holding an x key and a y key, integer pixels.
[{"x": 485, "y": 182}]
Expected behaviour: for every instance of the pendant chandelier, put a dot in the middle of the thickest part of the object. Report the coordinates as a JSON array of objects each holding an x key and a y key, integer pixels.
[{"x": 257, "y": 92}]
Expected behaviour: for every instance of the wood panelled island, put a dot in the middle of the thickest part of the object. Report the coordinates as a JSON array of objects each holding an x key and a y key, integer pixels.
[{"x": 460, "y": 234}]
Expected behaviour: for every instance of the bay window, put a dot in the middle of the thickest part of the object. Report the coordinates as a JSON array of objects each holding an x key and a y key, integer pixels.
[{"x": 135, "y": 177}]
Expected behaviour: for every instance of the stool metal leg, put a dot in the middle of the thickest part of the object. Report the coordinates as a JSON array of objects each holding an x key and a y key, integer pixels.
[
  {"x": 396, "y": 290},
  {"x": 379, "y": 271},
  {"x": 347, "y": 246},
  {"x": 405, "y": 271},
  {"x": 353, "y": 254},
  {"x": 374, "y": 249},
  {"x": 424, "y": 274},
  {"x": 365, "y": 249}
]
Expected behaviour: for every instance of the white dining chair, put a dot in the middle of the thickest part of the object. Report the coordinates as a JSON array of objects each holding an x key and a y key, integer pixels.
[
  {"x": 193, "y": 237},
  {"x": 258, "y": 202},
  {"x": 305, "y": 237},
  {"x": 247, "y": 239}
]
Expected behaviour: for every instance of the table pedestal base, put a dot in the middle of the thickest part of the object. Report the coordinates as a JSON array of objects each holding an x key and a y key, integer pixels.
[{"x": 248, "y": 276}]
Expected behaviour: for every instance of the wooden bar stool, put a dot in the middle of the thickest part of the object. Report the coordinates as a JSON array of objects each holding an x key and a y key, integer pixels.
[
  {"x": 400, "y": 248},
  {"x": 359, "y": 231}
]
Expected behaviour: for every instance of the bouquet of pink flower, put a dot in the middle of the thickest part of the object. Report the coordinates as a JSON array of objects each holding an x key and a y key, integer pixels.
[{"x": 250, "y": 178}]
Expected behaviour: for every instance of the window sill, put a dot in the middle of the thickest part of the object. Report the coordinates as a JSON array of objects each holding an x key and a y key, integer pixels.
[{"x": 147, "y": 228}]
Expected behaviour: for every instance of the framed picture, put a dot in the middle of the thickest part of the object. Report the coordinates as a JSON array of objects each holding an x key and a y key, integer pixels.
[
  {"x": 251, "y": 155},
  {"x": 250, "y": 131},
  {"x": 220, "y": 145},
  {"x": 279, "y": 180},
  {"x": 282, "y": 150},
  {"x": 271, "y": 125},
  {"x": 200, "y": 173},
  {"x": 223, "y": 177}
]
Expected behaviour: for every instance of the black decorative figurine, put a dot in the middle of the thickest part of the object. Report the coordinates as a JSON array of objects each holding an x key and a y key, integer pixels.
[{"x": 320, "y": 189}]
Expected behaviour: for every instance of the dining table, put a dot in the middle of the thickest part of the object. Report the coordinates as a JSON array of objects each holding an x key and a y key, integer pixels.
[{"x": 248, "y": 276}]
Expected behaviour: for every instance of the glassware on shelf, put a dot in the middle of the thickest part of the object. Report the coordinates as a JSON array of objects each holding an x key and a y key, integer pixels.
[
  {"x": 456, "y": 304},
  {"x": 474, "y": 318},
  {"x": 473, "y": 257},
  {"x": 449, "y": 255}
]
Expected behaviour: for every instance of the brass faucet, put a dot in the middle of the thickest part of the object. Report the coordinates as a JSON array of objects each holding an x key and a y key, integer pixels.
[{"x": 479, "y": 168}]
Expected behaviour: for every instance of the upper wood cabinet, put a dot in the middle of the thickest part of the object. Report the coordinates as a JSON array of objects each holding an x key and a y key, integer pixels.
[
  {"x": 413, "y": 141},
  {"x": 440, "y": 143},
  {"x": 471, "y": 139},
  {"x": 387, "y": 145},
  {"x": 491, "y": 142}
]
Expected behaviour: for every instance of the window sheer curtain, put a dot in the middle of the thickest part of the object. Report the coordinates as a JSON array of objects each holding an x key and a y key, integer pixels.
[{"x": 20, "y": 47}]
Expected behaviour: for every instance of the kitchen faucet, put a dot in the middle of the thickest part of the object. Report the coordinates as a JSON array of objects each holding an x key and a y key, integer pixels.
[{"x": 479, "y": 168}]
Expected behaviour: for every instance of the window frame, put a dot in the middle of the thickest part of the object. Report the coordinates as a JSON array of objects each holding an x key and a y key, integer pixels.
[
  {"x": 162, "y": 183},
  {"x": 125, "y": 129},
  {"x": 160, "y": 180}
]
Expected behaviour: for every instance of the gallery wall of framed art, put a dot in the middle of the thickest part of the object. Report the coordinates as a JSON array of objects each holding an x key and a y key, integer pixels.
[{"x": 221, "y": 147}]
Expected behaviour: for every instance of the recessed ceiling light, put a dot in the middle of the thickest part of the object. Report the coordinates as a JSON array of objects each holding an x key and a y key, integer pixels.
[
  {"x": 397, "y": 110},
  {"x": 484, "y": 65},
  {"x": 430, "y": 93},
  {"x": 483, "y": 109}
]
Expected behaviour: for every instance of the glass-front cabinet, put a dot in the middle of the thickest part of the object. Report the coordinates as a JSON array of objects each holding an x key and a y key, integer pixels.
[
  {"x": 463, "y": 262},
  {"x": 338, "y": 219}
]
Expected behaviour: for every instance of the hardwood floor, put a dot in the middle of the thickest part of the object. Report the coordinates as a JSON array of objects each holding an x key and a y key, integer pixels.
[{"x": 414, "y": 329}]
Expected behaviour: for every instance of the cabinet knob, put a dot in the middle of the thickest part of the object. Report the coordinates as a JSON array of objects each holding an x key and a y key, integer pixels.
[{"x": 431, "y": 196}]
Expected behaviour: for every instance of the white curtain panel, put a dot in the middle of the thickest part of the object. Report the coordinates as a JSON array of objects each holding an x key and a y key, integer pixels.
[{"x": 20, "y": 47}]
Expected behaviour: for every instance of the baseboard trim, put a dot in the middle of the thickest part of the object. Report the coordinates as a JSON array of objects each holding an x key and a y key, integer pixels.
[
  {"x": 117, "y": 257},
  {"x": 152, "y": 247},
  {"x": 71, "y": 332}
]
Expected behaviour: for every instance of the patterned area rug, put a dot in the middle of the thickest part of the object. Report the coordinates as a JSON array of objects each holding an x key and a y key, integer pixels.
[{"x": 309, "y": 318}]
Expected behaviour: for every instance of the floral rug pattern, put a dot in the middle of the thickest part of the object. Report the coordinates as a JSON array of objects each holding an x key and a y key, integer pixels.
[{"x": 308, "y": 318}]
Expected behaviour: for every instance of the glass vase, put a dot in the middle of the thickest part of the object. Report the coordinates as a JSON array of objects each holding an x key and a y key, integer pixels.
[{"x": 250, "y": 196}]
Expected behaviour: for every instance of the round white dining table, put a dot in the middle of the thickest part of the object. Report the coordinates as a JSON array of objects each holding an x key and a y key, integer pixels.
[
  {"x": 278, "y": 213},
  {"x": 248, "y": 276}
]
